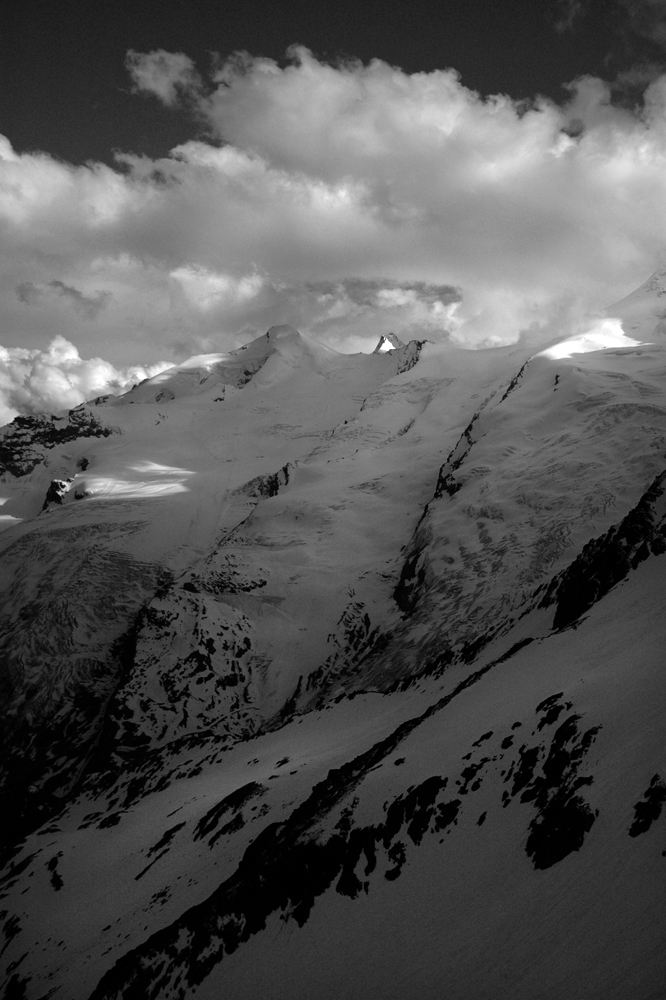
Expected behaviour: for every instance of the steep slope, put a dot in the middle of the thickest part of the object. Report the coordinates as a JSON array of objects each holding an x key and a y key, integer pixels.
[
  {"x": 564, "y": 453},
  {"x": 377, "y": 702},
  {"x": 516, "y": 849}
]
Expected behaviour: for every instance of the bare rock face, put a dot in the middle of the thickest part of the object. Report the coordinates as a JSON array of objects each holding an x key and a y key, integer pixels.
[
  {"x": 63, "y": 647},
  {"x": 347, "y": 676},
  {"x": 27, "y": 441},
  {"x": 56, "y": 492}
]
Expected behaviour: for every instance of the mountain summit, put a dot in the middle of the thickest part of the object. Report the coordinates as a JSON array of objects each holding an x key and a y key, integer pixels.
[{"x": 341, "y": 675}]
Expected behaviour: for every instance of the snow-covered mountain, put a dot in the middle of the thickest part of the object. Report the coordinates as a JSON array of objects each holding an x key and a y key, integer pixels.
[{"x": 342, "y": 676}]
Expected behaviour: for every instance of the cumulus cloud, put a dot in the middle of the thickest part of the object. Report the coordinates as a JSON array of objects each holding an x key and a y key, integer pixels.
[
  {"x": 34, "y": 381},
  {"x": 348, "y": 201},
  {"x": 166, "y": 75}
]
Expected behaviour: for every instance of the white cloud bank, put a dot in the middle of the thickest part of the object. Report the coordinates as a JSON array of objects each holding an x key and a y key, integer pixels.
[
  {"x": 348, "y": 201},
  {"x": 34, "y": 381}
]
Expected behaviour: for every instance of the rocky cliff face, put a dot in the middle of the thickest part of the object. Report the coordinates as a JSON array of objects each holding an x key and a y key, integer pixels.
[
  {"x": 27, "y": 441},
  {"x": 339, "y": 675}
]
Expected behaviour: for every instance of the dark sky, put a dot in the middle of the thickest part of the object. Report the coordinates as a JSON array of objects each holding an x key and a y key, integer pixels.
[{"x": 64, "y": 88}]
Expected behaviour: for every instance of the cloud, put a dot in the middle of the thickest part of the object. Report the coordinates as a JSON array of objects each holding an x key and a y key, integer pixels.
[
  {"x": 647, "y": 18},
  {"x": 634, "y": 80},
  {"x": 166, "y": 75},
  {"x": 572, "y": 11},
  {"x": 34, "y": 381},
  {"x": 338, "y": 311},
  {"x": 88, "y": 306},
  {"x": 347, "y": 200},
  {"x": 206, "y": 290}
]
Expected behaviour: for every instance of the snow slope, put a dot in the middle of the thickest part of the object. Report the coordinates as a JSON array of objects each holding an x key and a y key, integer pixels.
[{"x": 341, "y": 675}]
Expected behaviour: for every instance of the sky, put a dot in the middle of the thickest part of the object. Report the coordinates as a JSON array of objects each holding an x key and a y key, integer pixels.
[{"x": 176, "y": 178}]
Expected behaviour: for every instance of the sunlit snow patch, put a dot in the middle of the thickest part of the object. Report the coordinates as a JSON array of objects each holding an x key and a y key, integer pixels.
[
  {"x": 6, "y": 521},
  {"x": 605, "y": 334},
  {"x": 158, "y": 469},
  {"x": 197, "y": 361},
  {"x": 171, "y": 480}
]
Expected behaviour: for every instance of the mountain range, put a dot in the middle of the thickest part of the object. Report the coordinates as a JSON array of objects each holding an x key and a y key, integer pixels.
[{"x": 341, "y": 675}]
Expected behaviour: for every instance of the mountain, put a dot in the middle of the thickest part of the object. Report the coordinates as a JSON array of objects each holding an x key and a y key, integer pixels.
[{"x": 341, "y": 675}]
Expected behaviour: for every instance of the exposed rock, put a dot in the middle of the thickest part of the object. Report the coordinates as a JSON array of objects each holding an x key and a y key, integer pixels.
[
  {"x": 649, "y": 808},
  {"x": 388, "y": 341},
  {"x": 607, "y": 560},
  {"x": 58, "y": 489},
  {"x": 25, "y": 442},
  {"x": 409, "y": 355},
  {"x": 266, "y": 485}
]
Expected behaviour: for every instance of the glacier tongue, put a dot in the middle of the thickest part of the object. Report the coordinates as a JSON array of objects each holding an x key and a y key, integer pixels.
[{"x": 340, "y": 675}]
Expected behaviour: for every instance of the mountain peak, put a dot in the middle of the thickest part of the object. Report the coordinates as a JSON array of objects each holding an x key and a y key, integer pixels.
[
  {"x": 388, "y": 342},
  {"x": 283, "y": 330}
]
